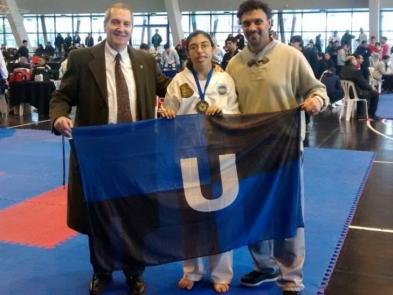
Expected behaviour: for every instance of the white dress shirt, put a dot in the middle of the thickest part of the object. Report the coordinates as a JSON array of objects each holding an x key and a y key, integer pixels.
[{"x": 126, "y": 67}]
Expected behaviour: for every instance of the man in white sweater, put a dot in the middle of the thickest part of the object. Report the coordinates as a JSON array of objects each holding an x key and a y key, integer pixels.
[{"x": 270, "y": 76}]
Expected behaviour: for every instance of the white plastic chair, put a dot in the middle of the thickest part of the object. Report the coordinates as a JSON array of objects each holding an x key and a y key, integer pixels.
[
  {"x": 350, "y": 102},
  {"x": 376, "y": 84}
]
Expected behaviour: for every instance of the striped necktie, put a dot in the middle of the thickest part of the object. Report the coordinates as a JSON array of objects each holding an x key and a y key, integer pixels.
[{"x": 123, "y": 98}]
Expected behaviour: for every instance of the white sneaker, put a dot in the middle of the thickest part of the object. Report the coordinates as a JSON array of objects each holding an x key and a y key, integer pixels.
[{"x": 338, "y": 103}]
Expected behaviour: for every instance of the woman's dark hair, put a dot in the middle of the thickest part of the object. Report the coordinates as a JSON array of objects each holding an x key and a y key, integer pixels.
[
  {"x": 232, "y": 39},
  {"x": 196, "y": 33},
  {"x": 251, "y": 5},
  {"x": 188, "y": 40}
]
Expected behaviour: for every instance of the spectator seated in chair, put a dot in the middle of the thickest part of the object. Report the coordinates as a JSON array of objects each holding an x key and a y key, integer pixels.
[
  {"x": 382, "y": 73},
  {"x": 333, "y": 85},
  {"x": 42, "y": 71},
  {"x": 351, "y": 73},
  {"x": 22, "y": 63}
]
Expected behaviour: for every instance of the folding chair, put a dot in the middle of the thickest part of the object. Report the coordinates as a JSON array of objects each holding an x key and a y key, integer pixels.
[
  {"x": 376, "y": 84},
  {"x": 350, "y": 100}
]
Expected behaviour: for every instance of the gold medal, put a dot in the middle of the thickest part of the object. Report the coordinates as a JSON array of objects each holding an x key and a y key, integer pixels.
[{"x": 202, "y": 106}]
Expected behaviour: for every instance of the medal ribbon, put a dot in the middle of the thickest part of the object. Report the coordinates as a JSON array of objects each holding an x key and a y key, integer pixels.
[{"x": 209, "y": 76}]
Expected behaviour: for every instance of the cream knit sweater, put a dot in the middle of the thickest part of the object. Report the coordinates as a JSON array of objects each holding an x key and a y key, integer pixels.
[{"x": 280, "y": 81}]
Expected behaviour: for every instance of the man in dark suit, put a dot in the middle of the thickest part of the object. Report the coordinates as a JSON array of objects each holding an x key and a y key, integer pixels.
[
  {"x": 363, "y": 88},
  {"x": 90, "y": 84}
]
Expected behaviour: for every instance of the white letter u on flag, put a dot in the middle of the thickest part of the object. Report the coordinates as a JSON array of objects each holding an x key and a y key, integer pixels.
[{"x": 192, "y": 187}]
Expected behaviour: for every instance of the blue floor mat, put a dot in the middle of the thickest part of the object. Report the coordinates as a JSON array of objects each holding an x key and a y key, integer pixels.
[
  {"x": 385, "y": 106},
  {"x": 333, "y": 182}
]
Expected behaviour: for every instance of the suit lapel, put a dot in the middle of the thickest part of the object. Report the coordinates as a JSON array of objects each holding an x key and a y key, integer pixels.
[
  {"x": 138, "y": 68},
  {"x": 98, "y": 69}
]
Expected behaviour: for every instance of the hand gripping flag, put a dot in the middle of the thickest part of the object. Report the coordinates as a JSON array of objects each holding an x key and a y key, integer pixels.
[{"x": 159, "y": 191}]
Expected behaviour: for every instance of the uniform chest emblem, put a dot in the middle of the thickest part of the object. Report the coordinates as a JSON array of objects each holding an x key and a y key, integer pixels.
[
  {"x": 186, "y": 91},
  {"x": 222, "y": 89}
]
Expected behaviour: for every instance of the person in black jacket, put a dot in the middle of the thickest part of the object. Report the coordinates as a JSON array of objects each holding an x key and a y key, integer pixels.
[
  {"x": 333, "y": 85},
  {"x": 363, "y": 50},
  {"x": 59, "y": 43},
  {"x": 23, "y": 50},
  {"x": 67, "y": 41},
  {"x": 231, "y": 51},
  {"x": 89, "y": 41},
  {"x": 363, "y": 88},
  {"x": 49, "y": 49}
]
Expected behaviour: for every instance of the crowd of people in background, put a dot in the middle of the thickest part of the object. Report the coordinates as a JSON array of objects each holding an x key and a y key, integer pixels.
[
  {"x": 361, "y": 60},
  {"x": 371, "y": 57}
]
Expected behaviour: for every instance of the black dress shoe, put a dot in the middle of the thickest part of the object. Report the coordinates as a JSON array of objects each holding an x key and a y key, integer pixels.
[
  {"x": 99, "y": 282},
  {"x": 136, "y": 285}
]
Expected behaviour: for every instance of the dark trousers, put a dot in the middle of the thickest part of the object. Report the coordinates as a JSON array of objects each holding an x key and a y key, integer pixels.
[
  {"x": 372, "y": 102},
  {"x": 387, "y": 83},
  {"x": 98, "y": 266}
]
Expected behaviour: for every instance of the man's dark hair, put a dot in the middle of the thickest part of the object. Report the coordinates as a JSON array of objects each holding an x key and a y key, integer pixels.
[
  {"x": 296, "y": 38},
  {"x": 349, "y": 58},
  {"x": 144, "y": 46},
  {"x": 250, "y": 5}
]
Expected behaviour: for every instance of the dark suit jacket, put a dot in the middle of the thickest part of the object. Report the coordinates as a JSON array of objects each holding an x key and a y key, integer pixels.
[
  {"x": 84, "y": 86},
  {"x": 351, "y": 73}
]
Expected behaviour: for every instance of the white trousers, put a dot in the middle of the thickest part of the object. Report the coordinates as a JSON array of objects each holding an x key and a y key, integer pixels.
[
  {"x": 286, "y": 256},
  {"x": 220, "y": 268},
  {"x": 3, "y": 106}
]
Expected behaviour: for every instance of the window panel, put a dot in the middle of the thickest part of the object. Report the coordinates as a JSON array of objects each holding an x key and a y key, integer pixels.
[
  {"x": 97, "y": 24},
  {"x": 202, "y": 22},
  {"x": 2, "y": 25},
  {"x": 220, "y": 38},
  {"x": 307, "y": 23},
  {"x": 7, "y": 27},
  {"x": 159, "y": 19},
  {"x": 139, "y": 19},
  {"x": 387, "y": 25},
  {"x": 315, "y": 22},
  {"x": 35, "y": 39},
  {"x": 274, "y": 22},
  {"x": 360, "y": 20},
  {"x": 339, "y": 21},
  {"x": 82, "y": 24},
  {"x": 10, "y": 40},
  {"x": 185, "y": 23},
  {"x": 223, "y": 23},
  {"x": 96, "y": 37},
  {"x": 137, "y": 36},
  {"x": 64, "y": 24},
  {"x": 292, "y": 21},
  {"x": 30, "y": 24}
]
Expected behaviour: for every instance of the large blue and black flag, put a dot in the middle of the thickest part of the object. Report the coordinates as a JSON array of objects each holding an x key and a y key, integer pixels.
[{"x": 165, "y": 190}]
